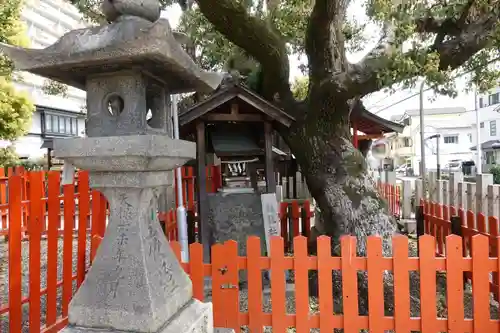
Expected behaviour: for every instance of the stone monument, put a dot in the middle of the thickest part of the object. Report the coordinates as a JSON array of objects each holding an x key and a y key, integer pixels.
[{"x": 128, "y": 67}]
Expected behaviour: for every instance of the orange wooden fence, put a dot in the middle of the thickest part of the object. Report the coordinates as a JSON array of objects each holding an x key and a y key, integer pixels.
[
  {"x": 392, "y": 194},
  {"x": 226, "y": 263},
  {"x": 437, "y": 223},
  {"x": 33, "y": 213},
  {"x": 295, "y": 220},
  {"x": 226, "y": 301},
  {"x": 83, "y": 213}
]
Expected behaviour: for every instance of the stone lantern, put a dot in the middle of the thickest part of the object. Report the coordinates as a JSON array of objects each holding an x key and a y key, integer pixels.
[{"x": 128, "y": 68}]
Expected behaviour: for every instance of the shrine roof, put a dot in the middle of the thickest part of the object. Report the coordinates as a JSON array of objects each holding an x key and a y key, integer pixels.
[
  {"x": 250, "y": 102},
  {"x": 370, "y": 123}
]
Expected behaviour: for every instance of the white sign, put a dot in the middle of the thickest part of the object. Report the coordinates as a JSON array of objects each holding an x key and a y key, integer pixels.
[{"x": 271, "y": 217}]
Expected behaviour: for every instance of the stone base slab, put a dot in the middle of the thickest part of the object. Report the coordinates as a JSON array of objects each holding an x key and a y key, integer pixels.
[{"x": 196, "y": 317}]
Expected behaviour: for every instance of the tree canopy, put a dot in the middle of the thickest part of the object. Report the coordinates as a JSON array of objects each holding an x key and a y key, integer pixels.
[
  {"x": 435, "y": 39},
  {"x": 15, "y": 107}
]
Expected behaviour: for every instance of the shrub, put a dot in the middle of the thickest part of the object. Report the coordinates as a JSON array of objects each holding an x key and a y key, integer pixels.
[{"x": 495, "y": 171}]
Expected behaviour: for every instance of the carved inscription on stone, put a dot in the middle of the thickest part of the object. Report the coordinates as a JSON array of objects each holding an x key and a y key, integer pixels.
[
  {"x": 157, "y": 254},
  {"x": 270, "y": 216}
]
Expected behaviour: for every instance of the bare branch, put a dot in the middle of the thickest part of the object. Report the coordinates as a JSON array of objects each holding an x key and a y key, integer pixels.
[{"x": 255, "y": 37}]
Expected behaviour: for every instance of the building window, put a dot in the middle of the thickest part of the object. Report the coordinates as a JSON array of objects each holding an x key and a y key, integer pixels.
[
  {"x": 59, "y": 124},
  {"x": 493, "y": 128},
  {"x": 451, "y": 139},
  {"x": 490, "y": 157},
  {"x": 406, "y": 142},
  {"x": 470, "y": 137},
  {"x": 481, "y": 124},
  {"x": 481, "y": 103},
  {"x": 494, "y": 98}
]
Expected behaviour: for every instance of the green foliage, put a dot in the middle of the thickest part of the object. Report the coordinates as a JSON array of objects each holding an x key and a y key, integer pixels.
[
  {"x": 300, "y": 88},
  {"x": 15, "y": 111},
  {"x": 8, "y": 157},
  {"x": 51, "y": 87},
  {"x": 495, "y": 171},
  {"x": 31, "y": 165},
  {"x": 410, "y": 22},
  {"x": 15, "y": 108}
]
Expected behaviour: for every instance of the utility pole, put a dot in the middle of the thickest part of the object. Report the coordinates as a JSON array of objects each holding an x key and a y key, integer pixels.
[
  {"x": 479, "y": 161},
  {"x": 438, "y": 165},
  {"x": 422, "y": 141}
]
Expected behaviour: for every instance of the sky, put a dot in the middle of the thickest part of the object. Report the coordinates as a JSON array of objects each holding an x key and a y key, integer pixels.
[{"x": 381, "y": 103}]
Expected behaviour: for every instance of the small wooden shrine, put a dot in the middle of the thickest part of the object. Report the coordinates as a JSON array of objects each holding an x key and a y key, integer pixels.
[{"x": 234, "y": 128}]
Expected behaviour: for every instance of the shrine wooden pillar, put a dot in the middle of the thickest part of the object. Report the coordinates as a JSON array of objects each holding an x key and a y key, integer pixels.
[
  {"x": 355, "y": 134},
  {"x": 269, "y": 162},
  {"x": 201, "y": 189}
]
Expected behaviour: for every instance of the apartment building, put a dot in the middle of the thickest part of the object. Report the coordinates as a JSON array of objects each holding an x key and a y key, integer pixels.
[
  {"x": 456, "y": 136},
  {"x": 489, "y": 119},
  {"x": 55, "y": 116}
]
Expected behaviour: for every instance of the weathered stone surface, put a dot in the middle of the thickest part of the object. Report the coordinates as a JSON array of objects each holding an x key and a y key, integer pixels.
[
  {"x": 135, "y": 282},
  {"x": 125, "y": 153},
  {"x": 147, "y": 9},
  {"x": 196, "y": 317},
  {"x": 118, "y": 104},
  {"x": 235, "y": 216},
  {"x": 128, "y": 42}
]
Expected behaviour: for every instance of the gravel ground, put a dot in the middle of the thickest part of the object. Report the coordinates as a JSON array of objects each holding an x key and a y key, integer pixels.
[
  {"x": 290, "y": 301},
  {"x": 4, "y": 278}
]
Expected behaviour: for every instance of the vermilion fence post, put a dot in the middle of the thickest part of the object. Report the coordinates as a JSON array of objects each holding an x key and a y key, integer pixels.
[
  {"x": 401, "y": 284},
  {"x": 306, "y": 218},
  {"x": 454, "y": 281},
  {"x": 15, "y": 275},
  {"x": 54, "y": 209},
  {"x": 493, "y": 229},
  {"x": 481, "y": 223},
  {"x": 278, "y": 284},
  {"x": 349, "y": 284},
  {"x": 3, "y": 199},
  {"x": 284, "y": 223},
  {"x": 375, "y": 285},
  {"x": 254, "y": 285},
  {"x": 481, "y": 281},
  {"x": 95, "y": 229},
  {"x": 34, "y": 226},
  {"x": 324, "y": 283},
  {"x": 295, "y": 218},
  {"x": 427, "y": 268},
  {"x": 301, "y": 269},
  {"x": 196, "y": 270}
]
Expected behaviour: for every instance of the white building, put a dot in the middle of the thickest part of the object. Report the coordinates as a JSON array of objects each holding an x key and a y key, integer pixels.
[
  {"x": 489, "y": 118},
  {"x": 456, "y": 137},
  {"x": 55, "y": 116}
]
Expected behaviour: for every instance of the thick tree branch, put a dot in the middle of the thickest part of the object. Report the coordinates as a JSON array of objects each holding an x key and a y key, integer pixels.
[
  {"x": 362, "y": 78},
  {"x": 255, "y": 37},
  {"x": 324, "y": 38}
]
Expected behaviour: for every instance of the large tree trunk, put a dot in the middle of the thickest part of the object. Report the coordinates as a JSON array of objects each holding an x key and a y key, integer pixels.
[{"x": 336, "y": 174}]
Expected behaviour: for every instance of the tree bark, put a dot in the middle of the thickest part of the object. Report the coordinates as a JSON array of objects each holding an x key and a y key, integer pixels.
[{"x": 337, "y": 178}]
